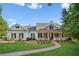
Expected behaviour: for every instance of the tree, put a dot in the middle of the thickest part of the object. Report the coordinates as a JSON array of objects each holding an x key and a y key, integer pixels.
[
  {"x": 49, "y": 4},
  {"x": 70, "y": 20},
  {"x": 3, "y": 25},
  {"x": 0, "y": 9}
]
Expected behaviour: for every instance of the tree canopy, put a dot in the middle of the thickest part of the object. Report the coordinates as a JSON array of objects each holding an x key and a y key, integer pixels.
[
  {"x": 3, "y": 25},
  {"x": 70, "y": 18}
]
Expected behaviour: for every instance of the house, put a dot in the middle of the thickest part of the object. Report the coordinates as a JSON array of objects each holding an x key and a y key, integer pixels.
[{"x": 42, "y": 31}]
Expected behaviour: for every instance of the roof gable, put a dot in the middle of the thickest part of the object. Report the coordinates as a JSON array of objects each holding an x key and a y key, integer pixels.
[
  {"x": 55, "y": 26},
  {"x": 45, "y": 26},
  {"x": 17, "y": 27}
]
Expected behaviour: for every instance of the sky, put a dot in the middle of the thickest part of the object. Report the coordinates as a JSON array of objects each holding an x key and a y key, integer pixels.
[{"x": 32, "y": 13}]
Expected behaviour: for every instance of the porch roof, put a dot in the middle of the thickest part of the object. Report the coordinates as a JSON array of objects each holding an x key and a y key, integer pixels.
[{"x": 54, "y": 31}]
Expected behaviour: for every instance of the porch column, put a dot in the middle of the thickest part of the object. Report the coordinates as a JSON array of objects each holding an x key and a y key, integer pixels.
[
  {"x": 53, "y": 36},
  {"x": 48, "y": 35},
  {"x": 17, "y": 36},
  {"x": 42, "y": 36},
  {"x": 37, "y": 36}
]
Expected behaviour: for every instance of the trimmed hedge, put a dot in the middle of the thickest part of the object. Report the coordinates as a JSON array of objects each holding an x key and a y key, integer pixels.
[{"x": 28, "y": 39}]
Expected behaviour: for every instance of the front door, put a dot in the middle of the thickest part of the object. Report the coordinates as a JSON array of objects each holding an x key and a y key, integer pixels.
[{"x": 51, "y": 37}]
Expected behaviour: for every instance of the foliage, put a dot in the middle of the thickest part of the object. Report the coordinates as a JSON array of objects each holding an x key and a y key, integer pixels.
[
  {"x": 3, "y": 25},
  {"x": 28, "y": 39},
  {"x": 0, "y": 9},
  {"x": 70, "y": 18},
  {"x": 49, "y": 4},
  {"x": 4, "y": 38}
]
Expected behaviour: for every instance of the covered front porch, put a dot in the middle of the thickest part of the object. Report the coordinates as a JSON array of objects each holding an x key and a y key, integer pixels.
[{"x": 50, "y": 35}]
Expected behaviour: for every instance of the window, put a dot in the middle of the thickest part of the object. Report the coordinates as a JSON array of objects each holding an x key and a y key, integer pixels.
[
  {"x": 17, "y": 26},
  {"x": 32, "y": 35},
  {"x": 56, "y": 34},
  {"x": 13, "y": 35},
  {"x": 51, "y": 27},
  {"x": 39, "y": 35},
  {"x": 21, "y": 35},
  {"x": 45, "y": 35}
]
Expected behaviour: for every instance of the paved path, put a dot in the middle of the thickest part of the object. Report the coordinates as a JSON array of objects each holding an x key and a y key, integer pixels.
[{"x": 20, "y": 53}]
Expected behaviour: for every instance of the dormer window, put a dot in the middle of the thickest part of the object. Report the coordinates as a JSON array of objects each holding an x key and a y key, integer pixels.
[
  {"x": 51, "y": 27},
  {"x": 17, "y": 26}
]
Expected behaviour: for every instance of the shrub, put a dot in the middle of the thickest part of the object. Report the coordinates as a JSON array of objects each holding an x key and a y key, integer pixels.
[
  {"x": 4, "y": 38},
  {"x": 19, "y": 39},
  {"x": 28, "y": 39},
  {"x": 12, "y": 39},
  {"x": 68, "y": 39},
  {"x": 33, "y": 39},
  {"x": 0, "y": 37},
  {"x": 74, "y": 41}
]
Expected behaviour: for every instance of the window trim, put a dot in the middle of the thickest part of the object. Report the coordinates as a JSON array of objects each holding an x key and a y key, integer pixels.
[
  {"x": 17, "y": 27},
  {"x": 21, "y": 35},
  {"x": 51, "y": 27},
  {"x": 39, "y": 35},
  {"x": 56, "y": 34},
  {"x": 13, "y": 35}
]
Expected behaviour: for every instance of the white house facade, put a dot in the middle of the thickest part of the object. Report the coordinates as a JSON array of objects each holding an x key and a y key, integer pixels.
[{"x": 42, "y": 31}]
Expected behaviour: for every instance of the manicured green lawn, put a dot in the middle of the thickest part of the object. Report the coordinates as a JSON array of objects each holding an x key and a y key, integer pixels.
[
  {"x": 11, "y": 47},
  {"x": 66, "y": 49}
]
